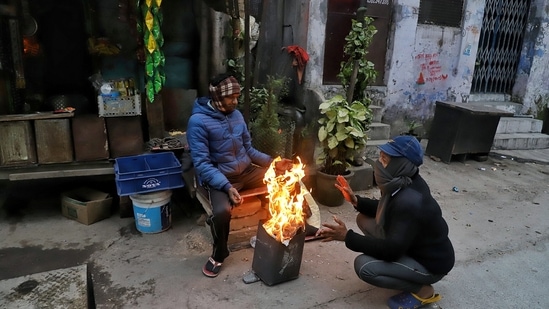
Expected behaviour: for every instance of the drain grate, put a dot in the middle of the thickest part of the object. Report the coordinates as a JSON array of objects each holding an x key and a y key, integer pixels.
[{"x": 62, "y": 288}]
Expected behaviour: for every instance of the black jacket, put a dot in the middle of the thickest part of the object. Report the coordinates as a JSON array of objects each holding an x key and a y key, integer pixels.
[{"x": 414, "y": 226}]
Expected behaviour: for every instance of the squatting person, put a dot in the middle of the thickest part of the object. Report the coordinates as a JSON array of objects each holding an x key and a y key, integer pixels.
[{"x": 405, "y": 245}]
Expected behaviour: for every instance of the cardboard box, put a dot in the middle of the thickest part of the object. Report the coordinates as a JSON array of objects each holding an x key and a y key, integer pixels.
[{"x": 86, "y": 205}]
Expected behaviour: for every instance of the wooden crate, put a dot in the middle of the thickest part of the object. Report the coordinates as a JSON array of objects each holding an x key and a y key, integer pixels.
[
  {"x": 17, "y": 146},
  {"x": 125, "y": 136},
  {"x": 89, "y": 134},
  {"x": 53, "y": 141}
]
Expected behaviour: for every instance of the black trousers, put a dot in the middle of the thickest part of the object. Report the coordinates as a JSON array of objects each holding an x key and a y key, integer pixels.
[{"x": 220, "y": 221}]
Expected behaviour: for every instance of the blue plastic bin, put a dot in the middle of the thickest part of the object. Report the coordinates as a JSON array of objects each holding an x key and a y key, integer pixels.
[{"x": 147, "y": 173}]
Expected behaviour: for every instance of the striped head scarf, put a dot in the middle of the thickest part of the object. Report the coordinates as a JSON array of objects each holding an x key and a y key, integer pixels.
[{"x": 225, "y": 87}]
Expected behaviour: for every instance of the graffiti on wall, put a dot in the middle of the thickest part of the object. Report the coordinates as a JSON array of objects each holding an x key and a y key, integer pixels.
[
  {"x": 430, "y": 68},
  {"x": 471, "y": 35},
  {"x": 422, "y": 101}
]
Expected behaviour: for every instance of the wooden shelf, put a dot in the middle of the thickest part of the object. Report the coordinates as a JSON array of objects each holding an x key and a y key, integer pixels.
[
  {"x": 35, "y": 116},
  {"x": 76, "y": 169}
]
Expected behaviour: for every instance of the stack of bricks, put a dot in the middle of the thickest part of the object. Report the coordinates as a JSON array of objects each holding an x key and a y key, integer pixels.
[{"x": 245, "y": 219}]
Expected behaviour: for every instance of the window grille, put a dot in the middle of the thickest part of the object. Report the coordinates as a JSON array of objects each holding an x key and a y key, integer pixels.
[{"x": 500, "y": 43}]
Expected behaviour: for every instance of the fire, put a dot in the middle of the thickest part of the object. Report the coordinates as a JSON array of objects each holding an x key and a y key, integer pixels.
[{"x": 285, "y": 202}]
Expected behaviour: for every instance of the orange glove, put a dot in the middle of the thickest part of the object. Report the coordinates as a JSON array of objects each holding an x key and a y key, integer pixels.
[{"x": 346, "y": 190}]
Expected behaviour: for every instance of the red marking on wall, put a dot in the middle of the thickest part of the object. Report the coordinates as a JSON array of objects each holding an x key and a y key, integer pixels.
[
  {"x": 420, "y": 79},
  {"x": 430, "y": 68}
]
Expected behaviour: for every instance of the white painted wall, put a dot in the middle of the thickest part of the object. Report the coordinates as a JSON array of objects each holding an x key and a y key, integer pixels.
[
  {"x": 315, "y": 44},
  {"x": 428, "y": 63},
  {"x": 532, "y": 83}
]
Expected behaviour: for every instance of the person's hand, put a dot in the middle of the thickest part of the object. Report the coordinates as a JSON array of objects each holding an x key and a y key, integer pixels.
[
  {"x": 234, "y": 196},
  {"x": 283, "y": 165},
  {"x": 346, "y": 190},
  {"x": 331, "y": 232}
]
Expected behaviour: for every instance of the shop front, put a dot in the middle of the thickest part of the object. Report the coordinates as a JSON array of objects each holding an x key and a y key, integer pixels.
[{"x": 73, "y": 80}]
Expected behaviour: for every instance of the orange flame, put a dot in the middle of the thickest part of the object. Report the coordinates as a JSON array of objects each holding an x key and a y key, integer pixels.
[
  {"x": 285, "y": 202},
  {"x": 31, "y": 46}
]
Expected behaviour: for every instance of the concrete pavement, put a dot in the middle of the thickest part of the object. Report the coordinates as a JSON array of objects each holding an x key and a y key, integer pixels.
[{"x": 497, "y": 218}]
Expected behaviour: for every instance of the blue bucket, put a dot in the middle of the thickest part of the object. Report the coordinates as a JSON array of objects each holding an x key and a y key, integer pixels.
[{"x": 152, "y": 211}]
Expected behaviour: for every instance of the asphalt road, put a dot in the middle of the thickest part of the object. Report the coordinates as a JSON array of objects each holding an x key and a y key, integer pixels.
[{"x": 497, "y": 218}]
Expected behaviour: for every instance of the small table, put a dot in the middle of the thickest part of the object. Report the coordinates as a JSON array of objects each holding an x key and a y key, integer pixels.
[{"x": 462, "y": 130}]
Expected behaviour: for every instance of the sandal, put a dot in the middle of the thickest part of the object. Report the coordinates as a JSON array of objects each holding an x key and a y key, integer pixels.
[
  {"x": 407, "y": 300},
  {"x": 211, "y": 268}
]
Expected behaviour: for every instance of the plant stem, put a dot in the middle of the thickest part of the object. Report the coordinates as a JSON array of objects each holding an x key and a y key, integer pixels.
[{"x": 352, "y": 82}]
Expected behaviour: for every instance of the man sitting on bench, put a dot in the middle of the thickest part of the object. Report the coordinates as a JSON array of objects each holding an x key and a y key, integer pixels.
[{"x": 224, "y": 159}]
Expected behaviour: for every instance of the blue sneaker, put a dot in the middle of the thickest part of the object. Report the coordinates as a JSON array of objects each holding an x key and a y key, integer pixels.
[{"x": 407, "y": 300}]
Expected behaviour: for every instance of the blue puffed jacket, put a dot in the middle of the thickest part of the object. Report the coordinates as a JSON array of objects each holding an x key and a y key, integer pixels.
[{"x": 220, "y": 145}]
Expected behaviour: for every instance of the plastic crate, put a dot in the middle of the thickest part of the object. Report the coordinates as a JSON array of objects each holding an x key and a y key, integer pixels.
[
  {"x": 119, "y": 106},
  {"x": 146, "y": 165},
  {"x": 147, "y": 173}
]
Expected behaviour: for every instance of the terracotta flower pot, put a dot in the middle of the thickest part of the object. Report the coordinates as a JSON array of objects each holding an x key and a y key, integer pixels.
[{"x": 326, "y": 193}]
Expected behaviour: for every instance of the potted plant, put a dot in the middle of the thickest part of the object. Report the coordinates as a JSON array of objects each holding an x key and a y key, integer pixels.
[
  {"x": 342, "y": 133},
  {"x": 344, "y": 121},
  {"x": 412, "y": 126},
  {"x": 268, "y": 133}
]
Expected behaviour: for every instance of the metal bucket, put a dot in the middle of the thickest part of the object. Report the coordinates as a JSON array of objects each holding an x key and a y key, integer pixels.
[{"x": 275, "y": 262}]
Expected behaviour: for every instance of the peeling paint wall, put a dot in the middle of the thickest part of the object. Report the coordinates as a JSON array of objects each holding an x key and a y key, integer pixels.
[
  {"x": 532, "y": 83},
  {"x": 427, "y": 63},
  {"x": 315, "y": 44}
]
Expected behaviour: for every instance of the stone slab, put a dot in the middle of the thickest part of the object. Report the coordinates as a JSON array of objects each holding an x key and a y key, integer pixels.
[
  {"x": 379, "y": 130},
  {"x": 508, "y": 125},
  {"x": 60, "y": 288},
  {"x": 363, "y": 178},
  {"x": 520, "y": 141}
]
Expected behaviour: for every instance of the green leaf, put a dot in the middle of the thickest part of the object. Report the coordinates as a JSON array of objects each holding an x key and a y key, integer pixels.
[
  {"x": 341, "y": 136},
  {"x": 342, "y": 115},
  {"x": 332, "y": 142},
  {"x": 350, "y": 143},
  {"x": 324, "y": 106},
  {"x": 331, "y": 114},
  {"x": 330, "y": 126},
  {"x": 322, "y": 134}
]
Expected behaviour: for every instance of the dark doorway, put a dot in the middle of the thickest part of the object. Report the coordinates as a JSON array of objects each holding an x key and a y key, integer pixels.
[
  {"x": 338, "y": 25},
  {"x": 56, "y": 57}
]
